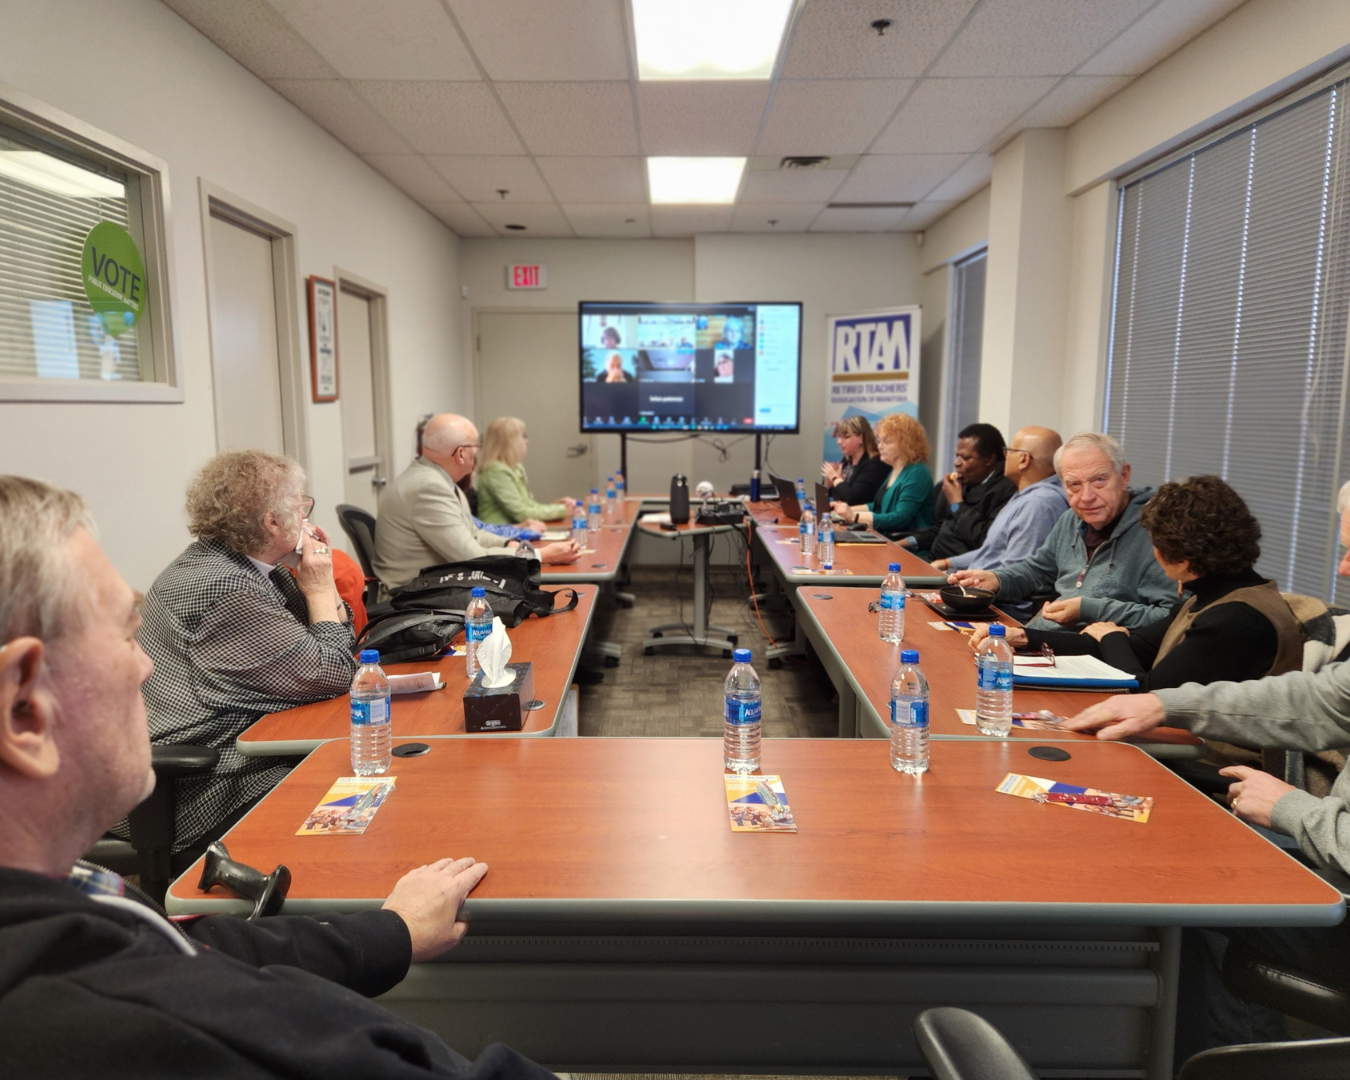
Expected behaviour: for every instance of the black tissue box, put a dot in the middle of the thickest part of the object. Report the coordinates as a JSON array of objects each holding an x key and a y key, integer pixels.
[{"x": 500, "y": 708}]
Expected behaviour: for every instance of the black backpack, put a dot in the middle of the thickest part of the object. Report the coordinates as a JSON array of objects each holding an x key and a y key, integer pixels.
[
  {"x": 512, "y": 586},
  {"x": 409, "y": 635}
]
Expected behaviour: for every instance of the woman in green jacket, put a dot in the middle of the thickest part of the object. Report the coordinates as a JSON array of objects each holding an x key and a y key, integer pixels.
[
  {"x": 504, "y": 496},
  {"x": 904, "y": 502}
]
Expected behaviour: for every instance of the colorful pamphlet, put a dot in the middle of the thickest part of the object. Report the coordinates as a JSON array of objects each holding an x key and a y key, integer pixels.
[
  {"x": 1031, "y": 721},
  {"x": 758, "y": 804},
  {"x": 348, "y": 807},
  {"x": 1130, "y": 807}
]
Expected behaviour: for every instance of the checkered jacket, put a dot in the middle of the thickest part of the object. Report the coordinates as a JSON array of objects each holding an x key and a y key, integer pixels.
[{"x": 227, "y": 651}]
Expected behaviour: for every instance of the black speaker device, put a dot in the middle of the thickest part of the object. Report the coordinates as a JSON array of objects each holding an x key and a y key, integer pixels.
[{"x": 679, "y": 499}]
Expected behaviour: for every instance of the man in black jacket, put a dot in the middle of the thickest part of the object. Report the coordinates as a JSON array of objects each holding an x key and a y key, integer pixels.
[
  {"x": 969, "y": 498},
  {"x": 96, "y": 982}
]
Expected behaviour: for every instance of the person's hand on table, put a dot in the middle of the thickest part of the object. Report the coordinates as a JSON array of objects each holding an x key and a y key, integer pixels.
[
  {"x": 941, "y": 564},
  {"x": 951, "y": 489},
  {"x": 1119, "y": 717},
  {"x": 535, "y": 525},
  {"x": 564, "y": 551},
  {"x": 1099, "y": 630},
  {"x": 1255, "y": 793},
  {"x": 975, "y": 579},
  {"x": 429, "y": 899},
  {"x": 1064, "y": 611},
  {"x": 1014, "y": 635}
]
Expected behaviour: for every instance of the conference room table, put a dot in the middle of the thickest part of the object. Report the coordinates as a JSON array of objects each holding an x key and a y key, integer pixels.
[
  {"x": 844, "y": 635},
  {"x": 624, "y": 927},
  {"x": 553, "y": 645}
]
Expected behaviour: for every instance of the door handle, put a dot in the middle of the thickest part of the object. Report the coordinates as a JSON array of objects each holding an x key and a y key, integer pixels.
[
  {"x": 579, "y": 450},
  {"x": 379, "y": 481}
]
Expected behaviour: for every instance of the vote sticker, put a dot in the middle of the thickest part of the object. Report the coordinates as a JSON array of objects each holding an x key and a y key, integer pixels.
[{"x": 113, "y": 276}]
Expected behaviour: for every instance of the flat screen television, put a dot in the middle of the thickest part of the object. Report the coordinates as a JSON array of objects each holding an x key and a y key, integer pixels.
[{"x": 690, "y": 367}]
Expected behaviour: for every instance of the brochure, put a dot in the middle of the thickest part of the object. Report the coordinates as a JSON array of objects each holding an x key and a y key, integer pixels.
[
  {"x": 417, "y": 682},
  {"x": 758, "y": 804},
  {"x": 348, "y": 807},
  {"x": 1129, "y": 807}
]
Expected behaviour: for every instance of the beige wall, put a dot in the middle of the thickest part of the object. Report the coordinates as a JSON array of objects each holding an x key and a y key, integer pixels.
[{"x": 180, "y": 98}]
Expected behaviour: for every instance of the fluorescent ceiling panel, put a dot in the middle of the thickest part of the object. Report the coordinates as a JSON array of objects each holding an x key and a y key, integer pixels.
[
  {"x": 685, "y": 180},
  {"x": 708, "y": 39},
  {"x": 39, "y": 170}
]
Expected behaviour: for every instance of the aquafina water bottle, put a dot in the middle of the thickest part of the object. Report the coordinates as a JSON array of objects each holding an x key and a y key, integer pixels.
[
  {"x": 994, "y": 688},
  {"x": 370, "y": 717},
  {"x": 909, "y": 716},
  {"x": 611, "y": 497},
  {"x": 593, "y": 511},
  {"x": 891, "y": 625},
  {"x": 825, "y": 542},
  {"x": 806, "y": 531},
  {"x": 740, "y": 733},
  {"x": 801, "y": 491},
  {"x": 579, "y": 524},
  {"x": 620, "y": 485},
  {"x": 477, "y": 626}
]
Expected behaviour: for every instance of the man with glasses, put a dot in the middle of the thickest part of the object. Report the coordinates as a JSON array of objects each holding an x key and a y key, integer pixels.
[
  {"x": 425, "y": 517},
  {"x": 1097, "y": 561}
]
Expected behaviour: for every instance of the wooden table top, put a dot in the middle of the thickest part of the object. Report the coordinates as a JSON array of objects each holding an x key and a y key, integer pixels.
[
  {"x": 552, "y": 645},
  {"x": 592, "y": 829},
  {"x": 604, "y": 553},
  {"x": 946, "y": 659},
  {"x": 868, "y": 563}
]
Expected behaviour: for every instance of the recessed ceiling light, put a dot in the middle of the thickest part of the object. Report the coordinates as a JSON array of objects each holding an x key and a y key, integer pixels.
[
  {"x": 708, "y": 39},
  {"x": 694, "y": 179}
]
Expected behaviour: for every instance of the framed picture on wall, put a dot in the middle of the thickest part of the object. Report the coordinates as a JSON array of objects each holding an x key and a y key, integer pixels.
[{"x": 323, "y": 338}]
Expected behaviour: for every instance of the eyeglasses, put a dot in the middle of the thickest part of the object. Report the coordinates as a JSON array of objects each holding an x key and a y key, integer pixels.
[
  {"x": 1015, "y": 450},
  {"x": 306, "y": 505},
  {"x": 466, "y": 446}
]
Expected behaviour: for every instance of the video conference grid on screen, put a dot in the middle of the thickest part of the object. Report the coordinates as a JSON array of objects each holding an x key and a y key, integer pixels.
[{"x": 690, "y": 367}]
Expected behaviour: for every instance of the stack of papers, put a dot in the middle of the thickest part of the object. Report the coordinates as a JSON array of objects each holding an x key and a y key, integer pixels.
[{"x": 1071, "y": 673}]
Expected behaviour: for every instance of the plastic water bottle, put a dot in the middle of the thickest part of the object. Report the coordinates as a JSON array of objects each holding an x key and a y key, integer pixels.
[
  {"x": 525, "y": 550},
  {"x": 801, "y": 491},
  {"x": 891, "y": 625},
  {"x": 994, "y": 688},
  {"x": 611, "y": 495},
  {"x": 620, "y": 487},
  {"x": 740, "y": 734},
  {"x": 909, "y": 716},
  {"x": 825, "y": 541},
  {"x": 371, "y": 741},
  {"x": 806, "y": 531},
  {"x": 579, "y": 525},
  {"x": 477, "y": 626},
  {"x": 593, "y": 511}
]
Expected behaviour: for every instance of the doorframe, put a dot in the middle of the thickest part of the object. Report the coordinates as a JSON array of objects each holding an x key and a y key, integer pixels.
[
  {"x": 293, "y": 375},
  {"x": 377, "y": 297}
]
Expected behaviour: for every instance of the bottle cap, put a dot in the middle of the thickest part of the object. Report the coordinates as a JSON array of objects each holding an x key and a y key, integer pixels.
[
  {"x": 741, "y": 656},
  {"x": 370, "y": 656},
  {"x": 909, "y": 656},
  {"x": 595, "y": 491},
  {"x": 997, "y": 630},
  {"x": 478, "y": 591},
  {"x": 895, "y": 568}
]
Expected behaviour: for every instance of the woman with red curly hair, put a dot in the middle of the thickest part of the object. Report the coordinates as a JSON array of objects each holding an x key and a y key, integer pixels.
[{"x": 904, "y": 503}]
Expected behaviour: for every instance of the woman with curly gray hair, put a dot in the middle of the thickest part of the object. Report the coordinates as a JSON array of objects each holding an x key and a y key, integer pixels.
[{"x": 235, "y": 636}]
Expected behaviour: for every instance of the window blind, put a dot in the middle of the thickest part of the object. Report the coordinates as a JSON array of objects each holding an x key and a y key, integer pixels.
[
  {"x": 968, "y": 322},
  {"x": 47, "y": 327},
  {"x": 1228, "y": 333}
]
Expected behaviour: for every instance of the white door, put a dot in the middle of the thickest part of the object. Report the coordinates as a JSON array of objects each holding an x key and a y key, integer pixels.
[
  {"x": 244, "y": 357},
  {"x": 360, "y": 423},
  {"x": 528, "y": 367}
]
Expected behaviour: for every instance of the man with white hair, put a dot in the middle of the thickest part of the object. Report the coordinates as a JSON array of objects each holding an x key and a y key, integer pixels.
[
  {"x": 1097, "y": 560},
  {"x": 425, "y": 517},
  {"x": 94, "y": 980}
]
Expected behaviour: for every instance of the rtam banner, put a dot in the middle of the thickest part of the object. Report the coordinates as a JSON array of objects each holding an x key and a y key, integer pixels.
[{"x": 874, "y": 368}]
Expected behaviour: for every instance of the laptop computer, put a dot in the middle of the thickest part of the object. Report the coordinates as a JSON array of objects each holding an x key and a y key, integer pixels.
[
  {"x": 850, "y": 534},
  {"x": 787, "y": 498}
]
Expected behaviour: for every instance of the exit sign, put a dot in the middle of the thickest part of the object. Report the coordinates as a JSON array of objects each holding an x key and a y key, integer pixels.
[{"x": 526, "y": 276}]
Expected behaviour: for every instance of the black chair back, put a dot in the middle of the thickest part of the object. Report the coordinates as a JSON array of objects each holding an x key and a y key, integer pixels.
[{"x": 360, "y": 529}]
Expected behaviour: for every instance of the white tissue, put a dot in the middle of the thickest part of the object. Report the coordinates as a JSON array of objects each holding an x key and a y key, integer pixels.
[{"x": 494, "y": 654}]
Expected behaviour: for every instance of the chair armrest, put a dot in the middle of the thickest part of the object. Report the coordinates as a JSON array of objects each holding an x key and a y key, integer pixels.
[
  {"x": 171, "y": 761},
  {"x": 1284, "y": 988},
  {"x": 958, "y": 1045},
  {"x": 1326, "y": 1059}
]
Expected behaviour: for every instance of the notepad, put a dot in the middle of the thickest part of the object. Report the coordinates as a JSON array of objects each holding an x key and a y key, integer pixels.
[
  {"x": 417, "y": 682},
  {"x": 1071, "y": 673}
]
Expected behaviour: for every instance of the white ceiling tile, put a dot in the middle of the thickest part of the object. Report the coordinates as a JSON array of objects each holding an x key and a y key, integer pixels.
[
  {"x": 888, "y": 177},
  {"x": 858, "y": 220},
  {"x": 1036, "y": 37},
  {"x": 480, "y": 179},
  {"x": 791, "y": 185},
  {"x": 461, "y": 217},
  {"x": 834, "y": 38},
  {"x": 672, "y": 221},
  {"x": 966, "y": 180},
  {"x": 610, "y": 220},
  {"x": 412, "y": 174},
  {"x": 1074, "y": 97},
  {"x": 1158, "y": 34},
  {"x": 775, "y": 217},
  {"x": 701, "y": 119},
  {"x": 953, "y": 115},
  {"x": 925, "y": 213},
  {"x": 833, "y": 116},
  {"x": 256, "y": 36},
  {"x": 393, "y": 39},
  {"x": 444, "y": 117},
  {"x": 539, "y": 219},
  {"x": 344, "y": 113},
  {"x": 577, "y": 180},
  {"x": 559, "y": 40},
  {"x": 564, "y": 119}
]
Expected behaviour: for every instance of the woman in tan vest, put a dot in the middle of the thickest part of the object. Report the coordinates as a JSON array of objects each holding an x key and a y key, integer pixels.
[{"x": 1233, "y": 625}]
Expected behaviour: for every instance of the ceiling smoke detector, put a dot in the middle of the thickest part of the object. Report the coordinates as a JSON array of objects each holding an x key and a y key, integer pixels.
[
  {"x": 803, "y": 162},
  {"x": 881, "y": 26}
]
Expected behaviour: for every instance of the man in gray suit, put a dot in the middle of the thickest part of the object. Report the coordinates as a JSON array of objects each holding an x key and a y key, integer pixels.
[{"x": 425, "y": 518}]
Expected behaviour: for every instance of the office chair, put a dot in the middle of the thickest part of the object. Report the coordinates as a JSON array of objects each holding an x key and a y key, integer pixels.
[
  {"x": 150, "y": 848},
  {"x": 360, "y": 529},
  {"x": 958, "y": 1045}
]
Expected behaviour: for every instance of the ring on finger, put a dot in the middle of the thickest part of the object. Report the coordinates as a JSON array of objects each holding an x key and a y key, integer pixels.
[{"x": 322, "y": 549}]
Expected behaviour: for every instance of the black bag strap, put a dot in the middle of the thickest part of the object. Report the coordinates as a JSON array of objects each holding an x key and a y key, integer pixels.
[{"x": 570, "y": 606}]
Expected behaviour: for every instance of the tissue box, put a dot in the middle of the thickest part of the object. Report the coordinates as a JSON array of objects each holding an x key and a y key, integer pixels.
[{"x": 500, "y": 708}]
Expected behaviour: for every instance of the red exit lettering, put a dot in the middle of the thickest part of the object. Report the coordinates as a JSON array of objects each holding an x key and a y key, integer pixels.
[{"x": 526, "y": 276}]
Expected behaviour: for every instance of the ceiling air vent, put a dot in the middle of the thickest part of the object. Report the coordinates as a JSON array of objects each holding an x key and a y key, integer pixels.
[
  {"x": 869, "y": 205},
  {"x": 803, "y": 162}
]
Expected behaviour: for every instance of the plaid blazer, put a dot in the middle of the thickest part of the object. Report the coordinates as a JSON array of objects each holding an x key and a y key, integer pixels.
[{"x": 227, "y": 651}]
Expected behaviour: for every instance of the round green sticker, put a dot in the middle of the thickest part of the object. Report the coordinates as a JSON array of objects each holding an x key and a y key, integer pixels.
[{"x": 114, "y": 276}]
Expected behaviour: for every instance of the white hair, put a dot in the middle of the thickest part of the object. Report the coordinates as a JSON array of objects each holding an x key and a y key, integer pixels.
[
  {"x": 39, "y": 587},
  {"x": 1094, "y": 440},
  {"x": 1343, "y": 498}
]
